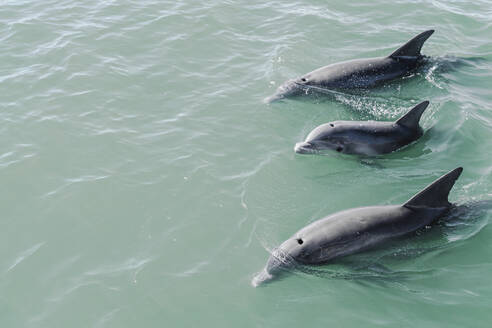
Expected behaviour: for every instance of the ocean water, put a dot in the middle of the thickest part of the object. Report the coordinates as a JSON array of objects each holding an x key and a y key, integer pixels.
[{"x": 144, "y": 181}]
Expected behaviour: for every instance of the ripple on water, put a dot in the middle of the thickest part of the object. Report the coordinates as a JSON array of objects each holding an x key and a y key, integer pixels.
[
  {"x": 24, "y": 255},
  {"x": 151, "y": 111}
]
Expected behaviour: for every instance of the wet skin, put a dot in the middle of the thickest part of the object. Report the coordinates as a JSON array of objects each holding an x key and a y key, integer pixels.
[
  {"x": 359, "y": 73},
  {"x": 363, "y": 138},
  {"x": 354, "y": 230}
]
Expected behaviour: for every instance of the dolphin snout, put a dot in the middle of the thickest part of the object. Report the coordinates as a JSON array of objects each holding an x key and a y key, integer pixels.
[
  {"x": 261, "y": 278},
  {"x": 272, "y": 269},
  {"x": 277, "y": 264},
  {"x": 273, "y": 98},
  {"x": 304, "y": 148},
  {"x": 288, "y": 89}
]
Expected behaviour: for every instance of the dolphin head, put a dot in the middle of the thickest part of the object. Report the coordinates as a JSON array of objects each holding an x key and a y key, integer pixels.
[
  {"x": 306, "y": 147},
  {"x": 290, "y": 88},
  {"x": 284, "y": 258},
  {"x": 324, "y": 137}
]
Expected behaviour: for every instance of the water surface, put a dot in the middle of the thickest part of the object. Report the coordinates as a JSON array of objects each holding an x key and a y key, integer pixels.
[{"x": 144, "y": 181}]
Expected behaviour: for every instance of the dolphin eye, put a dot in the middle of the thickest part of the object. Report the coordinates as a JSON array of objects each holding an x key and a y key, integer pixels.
[
  {"x": 304, "y": 79},
  {"x": 300, "y": 241},
  {"x": 332, "y": 125}
]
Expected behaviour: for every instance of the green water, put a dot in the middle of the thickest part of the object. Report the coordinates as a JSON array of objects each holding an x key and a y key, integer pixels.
[{"x": 144, "y": 181}]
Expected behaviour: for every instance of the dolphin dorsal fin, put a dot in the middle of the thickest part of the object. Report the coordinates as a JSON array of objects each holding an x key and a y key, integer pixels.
[
  {"x": 436, "y": 194},
  {"x": 412, "y": 118},
  {"x": 412, "y": 47}
]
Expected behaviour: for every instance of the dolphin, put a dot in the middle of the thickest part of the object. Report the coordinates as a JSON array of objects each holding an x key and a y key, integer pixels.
[
  {"x": 358, "y": 73},
  {"x": 364, "y": 138},
  {"x": 354, "y": 230}
]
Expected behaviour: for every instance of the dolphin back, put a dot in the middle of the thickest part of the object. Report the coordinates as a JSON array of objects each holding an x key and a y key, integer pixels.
[
  {"x": 436, "y": 194},
  {"x": 412, "y": 48}
]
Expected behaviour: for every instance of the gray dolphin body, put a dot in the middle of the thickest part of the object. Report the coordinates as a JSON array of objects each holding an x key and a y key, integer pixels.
[
  {"x": 359, "y": 73},
  {"x": 366, "y": 137},
  {"x": 354, "y": 230}
]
